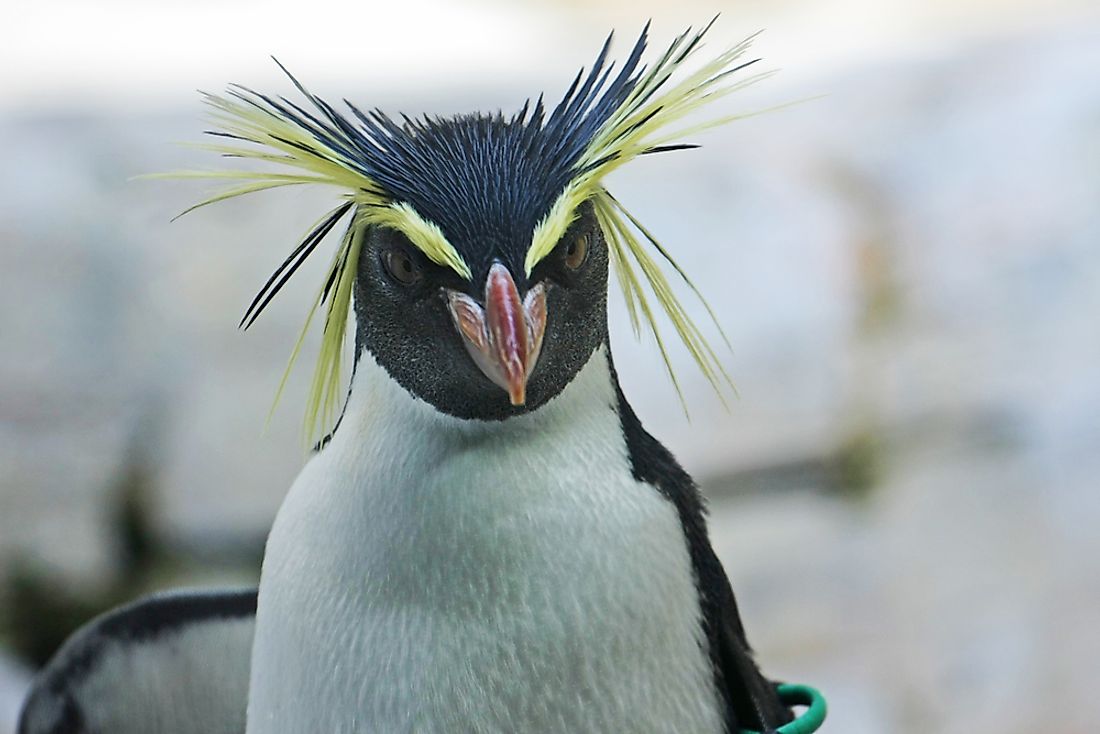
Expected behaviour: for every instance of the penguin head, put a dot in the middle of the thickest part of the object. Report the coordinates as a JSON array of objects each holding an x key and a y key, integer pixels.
[
  {"x": 498, "y": 344},
  {"x": 477, "y": 253}
]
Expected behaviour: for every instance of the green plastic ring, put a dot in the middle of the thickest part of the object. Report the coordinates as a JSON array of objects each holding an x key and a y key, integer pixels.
[{"x": 793, "y": 694}]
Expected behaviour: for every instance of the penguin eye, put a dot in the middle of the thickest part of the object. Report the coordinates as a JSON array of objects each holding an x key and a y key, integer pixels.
[
  {"x": 401, "y": 267},
  {"x": 576, "y": 252}
]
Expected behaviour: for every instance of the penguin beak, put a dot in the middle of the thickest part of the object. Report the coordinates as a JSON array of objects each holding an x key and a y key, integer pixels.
[{"x": 503, "y": 338}]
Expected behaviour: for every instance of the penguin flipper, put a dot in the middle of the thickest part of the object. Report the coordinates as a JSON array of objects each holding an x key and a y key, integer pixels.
[
  {"x": 753, "y": 697},
  {"x": 171, "y": 663},
  {"x": 750, "y": 699}
]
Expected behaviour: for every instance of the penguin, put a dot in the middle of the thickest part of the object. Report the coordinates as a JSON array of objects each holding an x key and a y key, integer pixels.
[{"x": 486, "y": 539}]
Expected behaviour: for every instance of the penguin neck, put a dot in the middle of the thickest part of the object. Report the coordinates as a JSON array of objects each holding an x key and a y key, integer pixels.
[{"x": 381, "y": 415}]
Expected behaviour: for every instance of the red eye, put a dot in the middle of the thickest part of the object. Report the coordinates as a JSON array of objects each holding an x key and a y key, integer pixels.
[
  {"x": 401, "y": 267},
  {"x": 576, "y": 252}
]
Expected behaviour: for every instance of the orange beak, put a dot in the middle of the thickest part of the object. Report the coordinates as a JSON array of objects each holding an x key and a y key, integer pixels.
[{"x": 505, "y": 337}]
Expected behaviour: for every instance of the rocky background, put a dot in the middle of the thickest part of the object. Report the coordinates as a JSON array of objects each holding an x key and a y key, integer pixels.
[{"x": 904, "y": 492}]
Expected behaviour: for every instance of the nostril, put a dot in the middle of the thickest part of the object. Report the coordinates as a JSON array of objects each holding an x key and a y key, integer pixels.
[{"x": 505, "y": 315}]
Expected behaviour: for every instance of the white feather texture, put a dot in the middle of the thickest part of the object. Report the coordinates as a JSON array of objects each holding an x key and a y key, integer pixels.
[{"x": 428, "y": 574}]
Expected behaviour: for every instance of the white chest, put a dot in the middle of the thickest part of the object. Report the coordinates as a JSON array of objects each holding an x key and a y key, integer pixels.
[{"x": 460, "y": 576}]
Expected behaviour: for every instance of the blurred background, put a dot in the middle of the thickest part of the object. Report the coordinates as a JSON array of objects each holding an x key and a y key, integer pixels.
[{"x": 904, "y": 492}]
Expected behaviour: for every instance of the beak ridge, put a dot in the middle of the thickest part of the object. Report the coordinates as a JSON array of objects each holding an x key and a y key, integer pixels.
[{"x": 507, "y": 331}]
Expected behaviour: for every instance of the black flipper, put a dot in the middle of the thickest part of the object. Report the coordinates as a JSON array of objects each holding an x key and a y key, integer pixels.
[
  {"x": 751, "y": 700},
  {"x": 172, "y": 663}
]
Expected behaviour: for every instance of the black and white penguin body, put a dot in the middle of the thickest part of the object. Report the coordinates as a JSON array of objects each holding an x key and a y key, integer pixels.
[
  {"x": 505, "y": 576},
  {"x": 488, "y": 541}
]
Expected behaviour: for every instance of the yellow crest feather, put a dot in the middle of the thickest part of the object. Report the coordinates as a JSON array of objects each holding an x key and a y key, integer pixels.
[
  {"x": 426, "y": 235},
  {"x": 637, "y": 127},
  {"x": 261, "y": 130}
]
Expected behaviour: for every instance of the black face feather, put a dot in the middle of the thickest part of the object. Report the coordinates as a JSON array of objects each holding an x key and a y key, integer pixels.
[{"x": 409, "y": 330}]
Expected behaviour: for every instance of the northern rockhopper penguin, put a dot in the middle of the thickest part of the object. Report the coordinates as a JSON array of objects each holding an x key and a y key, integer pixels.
[{"x": 487, "y": 539}]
